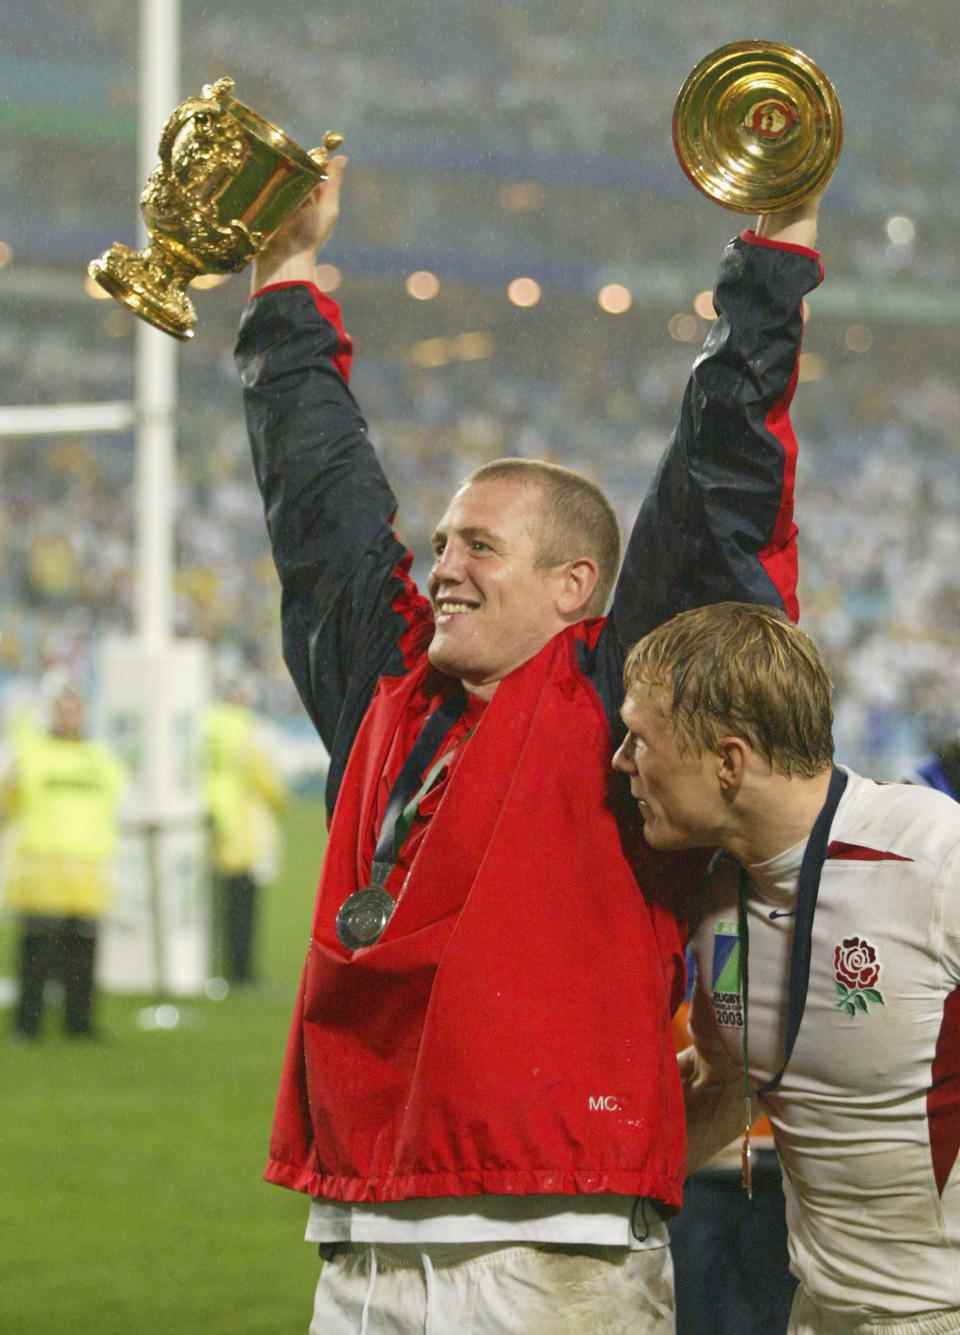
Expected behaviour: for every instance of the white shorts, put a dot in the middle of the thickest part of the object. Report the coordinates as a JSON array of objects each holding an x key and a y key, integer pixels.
[
  {"x": 498, "y": 1289},
  {"x": 808, "y": 1319}
]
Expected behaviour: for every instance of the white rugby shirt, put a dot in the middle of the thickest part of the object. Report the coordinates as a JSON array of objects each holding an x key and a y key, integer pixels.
[{"x": 867, "y": 1116}]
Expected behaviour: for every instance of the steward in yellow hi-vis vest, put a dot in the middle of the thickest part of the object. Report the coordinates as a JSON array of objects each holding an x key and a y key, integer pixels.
[
  {"x": 64, "y": 811},
  {"x": 244, "y": 794},
  {"x": 62, "y": 803}
]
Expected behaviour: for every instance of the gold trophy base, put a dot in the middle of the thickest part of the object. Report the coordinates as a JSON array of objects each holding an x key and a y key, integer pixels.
[{"x": 150, "y": 282}]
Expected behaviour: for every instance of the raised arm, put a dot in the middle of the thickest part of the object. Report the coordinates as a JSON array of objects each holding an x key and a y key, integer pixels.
[
  {"x": 717, "y": 522},
  {"x": 350, "y": 613}
]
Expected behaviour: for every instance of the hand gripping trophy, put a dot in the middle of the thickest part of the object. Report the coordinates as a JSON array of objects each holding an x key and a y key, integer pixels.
[{"x": 225, "y": 182}]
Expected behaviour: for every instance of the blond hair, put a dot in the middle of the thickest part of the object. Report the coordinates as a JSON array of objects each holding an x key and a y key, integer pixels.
[
  {"x": 576, "y": 519},
  {"x": 744, "y": 670}
]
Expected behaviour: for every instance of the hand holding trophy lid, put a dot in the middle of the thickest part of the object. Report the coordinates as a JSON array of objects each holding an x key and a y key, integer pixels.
[
  {"x": 758, "y": 127},
  {"x": 226, "y": 180}
]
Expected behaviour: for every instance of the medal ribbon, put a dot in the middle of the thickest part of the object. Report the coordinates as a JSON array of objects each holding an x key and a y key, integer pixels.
[
  {"x": 808, "y": 888},
  {"x": 363, "y": 916},
  {"x": 411, "y": 784}
]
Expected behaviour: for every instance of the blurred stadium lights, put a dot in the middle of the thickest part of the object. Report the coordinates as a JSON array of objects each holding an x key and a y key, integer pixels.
[
  {"x": 661, "y": 286},
  {"x": 901, "y": 231},
  {"x": 430, "y": 353},
  {"x": 522, "y": 196},
  {"x": 524, "y": 291},
  {"x": 858, "y": 338},
  {"x": 423, "y": 285},
  {"x": 684, "y": 327},
  {"x": 614, "y": 298},
  {"x": 329, "y": 277},
  {"x": 703, "y": 305},
  {"x": 650, "y": 284},
  {"x": 472, "y": 347},
  {"x": 568, "y": 182},
  {"x": 812, "y": 367}
]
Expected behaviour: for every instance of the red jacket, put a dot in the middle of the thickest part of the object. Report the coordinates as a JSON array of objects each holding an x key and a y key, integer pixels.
[{"x": 510, "y": 1032}]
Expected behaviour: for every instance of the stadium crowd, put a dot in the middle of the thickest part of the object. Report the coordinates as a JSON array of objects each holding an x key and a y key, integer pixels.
[
  {"x": 577, "y": 100},
  {"x": 568, "y": 170},
  {"x": 878, "y": 495}
]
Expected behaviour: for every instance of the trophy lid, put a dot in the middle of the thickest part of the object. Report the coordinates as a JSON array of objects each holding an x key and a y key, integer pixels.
[{"x": 757, "y": 126}]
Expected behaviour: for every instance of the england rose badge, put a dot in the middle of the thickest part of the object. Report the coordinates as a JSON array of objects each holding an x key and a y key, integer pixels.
[{"x": 856, "y": 971}]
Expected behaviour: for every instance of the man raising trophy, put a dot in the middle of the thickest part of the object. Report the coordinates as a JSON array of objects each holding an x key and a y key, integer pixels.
[{"x": 480, "y": 1095}]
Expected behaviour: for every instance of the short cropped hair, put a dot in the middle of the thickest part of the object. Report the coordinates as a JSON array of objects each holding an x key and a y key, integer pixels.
[
  {"x": 744, "y": 670},
  {"x": 576, "y": 519}
]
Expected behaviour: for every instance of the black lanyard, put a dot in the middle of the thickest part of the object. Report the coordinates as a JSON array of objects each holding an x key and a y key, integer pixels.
[
  {"x": 410, "y": 780},
  {"x": 364, "y": 915},
  {"x": 808, "y": 888}
]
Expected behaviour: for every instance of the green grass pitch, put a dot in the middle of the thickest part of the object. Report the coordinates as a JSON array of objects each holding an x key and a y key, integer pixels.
[{"x": 131, "y": 1199}]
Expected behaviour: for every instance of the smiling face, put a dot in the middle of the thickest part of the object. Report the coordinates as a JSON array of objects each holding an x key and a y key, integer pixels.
[
  {"x": 678, "y": 792},
  {"x": 492, "y": 607}
]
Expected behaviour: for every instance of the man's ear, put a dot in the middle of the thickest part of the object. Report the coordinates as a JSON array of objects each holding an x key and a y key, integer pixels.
[
  {"x": 579, "y": 579},
  {"x": 731, "y": 764}
]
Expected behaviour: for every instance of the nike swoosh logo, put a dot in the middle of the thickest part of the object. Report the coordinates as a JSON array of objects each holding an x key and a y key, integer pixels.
[{"x": 781, "y": 913}]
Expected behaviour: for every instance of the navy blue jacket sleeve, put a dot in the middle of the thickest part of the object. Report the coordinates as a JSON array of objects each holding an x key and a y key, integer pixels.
[
  {"x": 350, "y": 613},
  {"x": 717, "y": 521}
]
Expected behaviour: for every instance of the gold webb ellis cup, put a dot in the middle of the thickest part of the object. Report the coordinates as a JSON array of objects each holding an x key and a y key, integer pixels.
[
  {"x": 758, "y": 127},
  {"x": 225, "y": 182}
]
